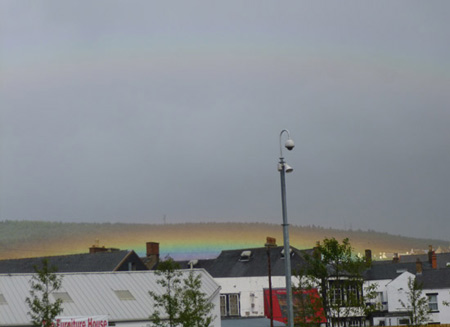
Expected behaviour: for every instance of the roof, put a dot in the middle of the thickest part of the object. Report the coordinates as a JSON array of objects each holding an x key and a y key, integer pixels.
[
  {"x": 431, "y": 278},
  {"x": 441, "y": 258},
  {"x": 388, "y": 270},
  {"x": 435, "y": 278},
  {"x": 86, "y": 262},
  {"x": 237, "y": 263},
  {"x": 93, "y": 294}
]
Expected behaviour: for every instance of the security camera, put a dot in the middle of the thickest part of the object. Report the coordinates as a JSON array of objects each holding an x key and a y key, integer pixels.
[{"x": 289, "y": 144}]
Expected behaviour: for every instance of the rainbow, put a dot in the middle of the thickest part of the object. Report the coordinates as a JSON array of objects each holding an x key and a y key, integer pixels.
[{"x": 197, "y": 240}]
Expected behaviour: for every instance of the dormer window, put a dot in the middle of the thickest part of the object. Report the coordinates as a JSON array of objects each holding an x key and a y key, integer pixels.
[
  {"x": 282, "y": 253},
  {"x": 63, "y": 296},
  {"x": 192, "y": 263},
  {"x": 245, "y": 256},
  {"x": 124, "y": 295}
]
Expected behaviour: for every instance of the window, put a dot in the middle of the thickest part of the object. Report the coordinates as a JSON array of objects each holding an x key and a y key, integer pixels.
[
  {"x": 336, "y": 297},
  {"x": 234, "y": 304},
  {"x": 2, "y": 299},
  {"x": 380, "y": 297},
  {"x": 64, "y": 296},
  {"x": 223, "y": 305},
  {"x": 229, "y": 305},
  {"x": 403, "y": 321},
  {"x": 354, "y": 323},
  {"x": 245, "y": 255},
  {"x": 432, "y": 302},
  {"x": 282, "y": 253},
  {"x": 352, "y": 295},
  {"x": 124, "y": 295}
]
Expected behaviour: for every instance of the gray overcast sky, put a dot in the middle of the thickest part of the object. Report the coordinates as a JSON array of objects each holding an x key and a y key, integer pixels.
[{"x": 129, "y": 111}]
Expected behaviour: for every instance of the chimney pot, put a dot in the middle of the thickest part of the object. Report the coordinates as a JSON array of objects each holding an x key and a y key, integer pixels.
[
  {"x": 368, "y": 256},
  {"x": 430, "y": 254},
  {"x": 433, "y": 260},
  {"x": 396, "y": 259},
  {"x": 152, "y": 254},
  {"x": 152, "y": 249},
  {"x": 419, "y": 267},
  {"x": 97, "y": 249}
]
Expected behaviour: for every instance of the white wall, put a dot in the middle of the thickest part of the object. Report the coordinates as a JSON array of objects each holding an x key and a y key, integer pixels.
[
  {"x": 443, "y": 316},
  {"x": 251, "y": 292},
  {"x": 397, "y": 291}
]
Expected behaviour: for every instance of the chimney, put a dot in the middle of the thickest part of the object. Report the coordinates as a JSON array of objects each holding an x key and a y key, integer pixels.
[
  {"x": 316, "y": 250},
  {"x": 430, "y": 254},
  {"x": 433, "y": 260},
  {"x": 419, "y": 267},
  {"x": 152, "y": 254},
  {"x": 396, "y": 259},
  {"x": 97, "y": 249},
  {"x": 368, "y": 257}
]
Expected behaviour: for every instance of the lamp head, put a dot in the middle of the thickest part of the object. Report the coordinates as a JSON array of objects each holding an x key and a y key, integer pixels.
[
  {"x": 288, "y": 169},
  {"x": 289, "y": 144}
]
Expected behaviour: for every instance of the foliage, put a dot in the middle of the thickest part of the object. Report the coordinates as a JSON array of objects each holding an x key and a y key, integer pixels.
[
  {"x": 43, "y": 283},
  {"x": 183, "y": 301},
  {"x": 195, "y": 307},
  {"x": 337, "y": 274},
  {"x": 308, "y": 308},
  {"x": 416, "y": 304},
  {"x": 170, "y": 281}
]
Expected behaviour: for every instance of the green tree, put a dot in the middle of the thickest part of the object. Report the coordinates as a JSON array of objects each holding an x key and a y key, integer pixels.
[
  {"x": 182, "y": 301},
  {"x": 308, "y": 308},
  {"x": 416, "y": 303},
  {"x": 44, "y": 282},
  {"x": 195, "y": 306},
  {"x": 336, "y": 272}
]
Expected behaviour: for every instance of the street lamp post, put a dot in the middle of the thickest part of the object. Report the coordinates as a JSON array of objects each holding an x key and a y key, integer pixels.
[
  {"x": 284, "y": 168},
  {"x": 270, "y": 243}
]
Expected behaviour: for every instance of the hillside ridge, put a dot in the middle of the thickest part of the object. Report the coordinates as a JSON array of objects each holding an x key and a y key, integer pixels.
[{"x": 20, "y": 239}]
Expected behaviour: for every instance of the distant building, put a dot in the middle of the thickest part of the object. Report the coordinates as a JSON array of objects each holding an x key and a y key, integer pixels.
[{"x": 95, "y": 261}]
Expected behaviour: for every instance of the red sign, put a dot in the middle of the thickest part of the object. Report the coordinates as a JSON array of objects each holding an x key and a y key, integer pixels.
[
  {"x": 307, "y": 306},
  {"x": 81, "y": 321}
]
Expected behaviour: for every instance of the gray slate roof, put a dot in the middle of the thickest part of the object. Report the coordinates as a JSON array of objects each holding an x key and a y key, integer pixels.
[
  {"x": 388, "y": 270},
  {"x": 86, "y": 262},
  {"x": 441, "y": 258},
  {"x": 431, "y": 278},
  {"x": 435, "y": 278},
  {"x": 228, "y": 263}
]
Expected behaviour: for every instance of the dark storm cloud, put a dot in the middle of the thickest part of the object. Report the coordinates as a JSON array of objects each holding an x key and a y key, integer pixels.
[{"x": 118, "y": 112}]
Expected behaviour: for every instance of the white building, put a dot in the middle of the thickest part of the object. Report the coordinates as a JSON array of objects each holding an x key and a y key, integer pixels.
[
  {"x": 243, "y": 275},
  {"x": 392, "y": 279},
  {"x": 123, "y": 297}
]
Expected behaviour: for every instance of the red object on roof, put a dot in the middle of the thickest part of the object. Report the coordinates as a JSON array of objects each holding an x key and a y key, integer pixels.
[{"x": 306, "y": 303}]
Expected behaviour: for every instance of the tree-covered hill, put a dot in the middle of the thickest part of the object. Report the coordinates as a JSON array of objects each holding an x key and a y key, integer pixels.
[{"x": 19, "y": 239}]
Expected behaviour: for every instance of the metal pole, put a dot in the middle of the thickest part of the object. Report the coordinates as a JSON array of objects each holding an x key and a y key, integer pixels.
[
  {"x": 287, "y": 255},
  {"x": 270, "y": 284}
]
